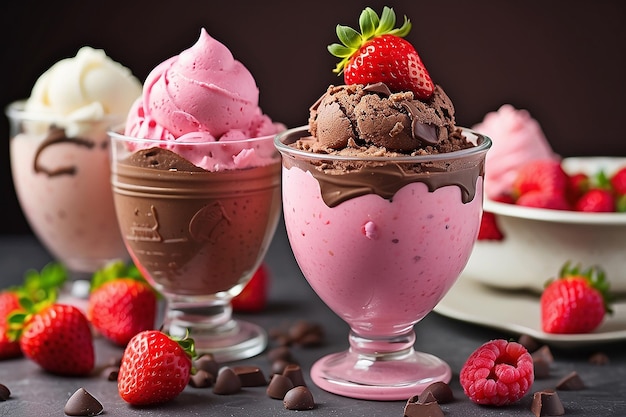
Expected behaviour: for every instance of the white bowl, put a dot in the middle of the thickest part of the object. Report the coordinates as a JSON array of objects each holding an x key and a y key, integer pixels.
[{"x": 537, "y": 242}]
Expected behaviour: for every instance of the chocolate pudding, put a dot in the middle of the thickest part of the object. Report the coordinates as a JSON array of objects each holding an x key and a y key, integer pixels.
[{"x": 194, "y": 232}]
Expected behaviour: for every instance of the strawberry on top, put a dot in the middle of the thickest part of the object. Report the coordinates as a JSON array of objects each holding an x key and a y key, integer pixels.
[{"x": 380, "y": 54}]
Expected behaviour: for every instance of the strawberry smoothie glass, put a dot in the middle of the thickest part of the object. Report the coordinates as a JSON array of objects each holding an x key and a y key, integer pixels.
[
  {"x": 199, "y": 230},
  {"x": 62, "y": 181},
  {"x": 381, "y": 240}
]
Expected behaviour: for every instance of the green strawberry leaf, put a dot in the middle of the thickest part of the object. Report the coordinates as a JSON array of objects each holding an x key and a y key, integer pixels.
[{"x": 113, "y": 271}]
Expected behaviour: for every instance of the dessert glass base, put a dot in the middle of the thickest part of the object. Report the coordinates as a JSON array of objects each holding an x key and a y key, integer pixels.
[
  {"x": 213, "y": 328},
  {"x": 383, "y": 376},
  {"x": 381, "y": 240}
]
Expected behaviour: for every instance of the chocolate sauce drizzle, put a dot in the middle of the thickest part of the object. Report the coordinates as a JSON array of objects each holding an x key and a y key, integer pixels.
[
  {"x": 385, "y": 178},
  {"x": 57, "y": 136}
]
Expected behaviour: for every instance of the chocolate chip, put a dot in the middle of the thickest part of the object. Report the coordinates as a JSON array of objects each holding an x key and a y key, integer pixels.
[
  {"x": 4, "y": 393},
  {"x": 280, "y": 353},
  {"x": 542, "y": 359},
  {"x": 529, "y": 342},
  {"x": 278, "y": 367},
  {"x": 416, "y": 408},
  {"x": 305, "y": 333},
  {"x": 299, "y": 398},
  {"x": 250, "y": 376},
  {"x": 440, "y": 391},
  {"x": 547, "y": 403},
  {"x": 599, "y": 358},
  {"x": 278, "y": 387},
  {"x": 201, "y": 379},
  {"x": 570, "y": 382},
  {"x": 82, "y": 403},
  {"x": 227, "y": 382},
  {"x": 207, "y": 362},
  {"x": 110, "y": 373},
  {"x": 426, "y": 397},
  {"x": 294, "y": 372}
]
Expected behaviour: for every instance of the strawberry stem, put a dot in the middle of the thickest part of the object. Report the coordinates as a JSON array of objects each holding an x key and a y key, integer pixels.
[{"x": 371, "y": 26}]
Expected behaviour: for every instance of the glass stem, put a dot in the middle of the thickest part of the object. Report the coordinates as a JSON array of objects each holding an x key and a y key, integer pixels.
[{"x": 383, "y": 348}]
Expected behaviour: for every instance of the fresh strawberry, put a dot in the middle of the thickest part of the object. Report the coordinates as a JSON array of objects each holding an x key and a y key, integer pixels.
[
  {"x": 596, "y": 200},
  {"x": 253, "y": 297},
  {"x": 155, "y": 368},
  {"x": 55, "y": 336},
  {"x": 380, "y": 54},
  {"x": 37, "y": 286},
  {"x": 618, "y": 181},
  {"x": 489, "y": 229},
  {"x": 576, "y": 302},
  {"x": 121, "y": 303},
  {"x": 543, "y": 199},
  {"x": 497, "y": 373},
  {"x": 9, "y": 302},
  {"x": 545, "y": 175},
  {"x": 577, "y": 185}
]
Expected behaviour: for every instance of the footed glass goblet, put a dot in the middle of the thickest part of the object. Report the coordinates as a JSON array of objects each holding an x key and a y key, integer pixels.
[
  {"x": 197, "y": 218},
  {"x": 381, "y": 240},
  {"x": 61, "y": 173}
]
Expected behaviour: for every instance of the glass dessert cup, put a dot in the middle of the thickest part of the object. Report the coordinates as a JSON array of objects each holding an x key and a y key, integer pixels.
[
  {"x": 198, "y": 235},
  {"x": 381, "y": 240},
  {"x": 61, "y": 173}
]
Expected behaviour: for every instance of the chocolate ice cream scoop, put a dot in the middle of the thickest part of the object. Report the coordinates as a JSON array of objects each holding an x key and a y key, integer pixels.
[{"x": 363, "y": 115}]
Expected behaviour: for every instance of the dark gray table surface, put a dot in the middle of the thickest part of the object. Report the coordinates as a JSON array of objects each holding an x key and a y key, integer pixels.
[{"x": 36, "y": 393}]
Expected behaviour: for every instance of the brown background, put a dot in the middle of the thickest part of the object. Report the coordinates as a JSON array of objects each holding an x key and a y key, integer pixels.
[{"x": 564, "y": 61}]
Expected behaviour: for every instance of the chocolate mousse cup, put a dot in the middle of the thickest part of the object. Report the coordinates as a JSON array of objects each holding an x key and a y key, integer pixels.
[{"x": 198, "y": 235}]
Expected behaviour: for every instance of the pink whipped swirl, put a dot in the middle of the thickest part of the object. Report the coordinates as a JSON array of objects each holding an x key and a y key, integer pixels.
[
  {"x": 201, "y": 95},
  {"x": 517, "y": 138}
]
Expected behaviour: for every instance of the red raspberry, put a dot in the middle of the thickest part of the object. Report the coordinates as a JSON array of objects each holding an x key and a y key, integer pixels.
[
  {"x": 596, "y": 200},
  {"x": 497, "y": 373}
]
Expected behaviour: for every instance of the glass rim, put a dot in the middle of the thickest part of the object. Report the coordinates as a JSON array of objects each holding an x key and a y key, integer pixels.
[
  {"x": 483, "y": 144},
  {"x": 16, "y": 110},
  {"x": 114, "y": 133}
]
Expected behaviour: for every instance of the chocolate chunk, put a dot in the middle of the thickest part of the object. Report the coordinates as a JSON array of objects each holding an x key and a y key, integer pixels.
[
  {"x": 110, "y": 373},
  {"x": 305, "y": 333},
  {"x": 4, "y": 393},
  {"x": 441, "y": 392},
  {"x": 416, "y": 408},
  {"x": 542, "y": 359},
  {"x": 294, "y": 372},
  {"x": 547, "y": 403},
  {"x": 82, "y": 403},
  {"x": 299, "y": 398},
  {"x": 599, "y": 358},
  {"x": 529, "y": 342},
  {"x": 207, "y": 362},
  {"x": 278, "y": 367},
  {"x": 426, "y": 397},
  {"x": 201, "y": 379},
  {"x": 250, "y": 376},
  {"x": 278, "y": 386},
  {"x": 280, "y": 353},
  {"x": 227, "y": 382},
  {"x": 570, "y": 382}
]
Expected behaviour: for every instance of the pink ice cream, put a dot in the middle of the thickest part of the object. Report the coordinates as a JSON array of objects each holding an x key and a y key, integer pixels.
[
  {"x": 201, "y": 95},
  {"x": 517, "y": 138},
  {"x": 381, "y": 266}
]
